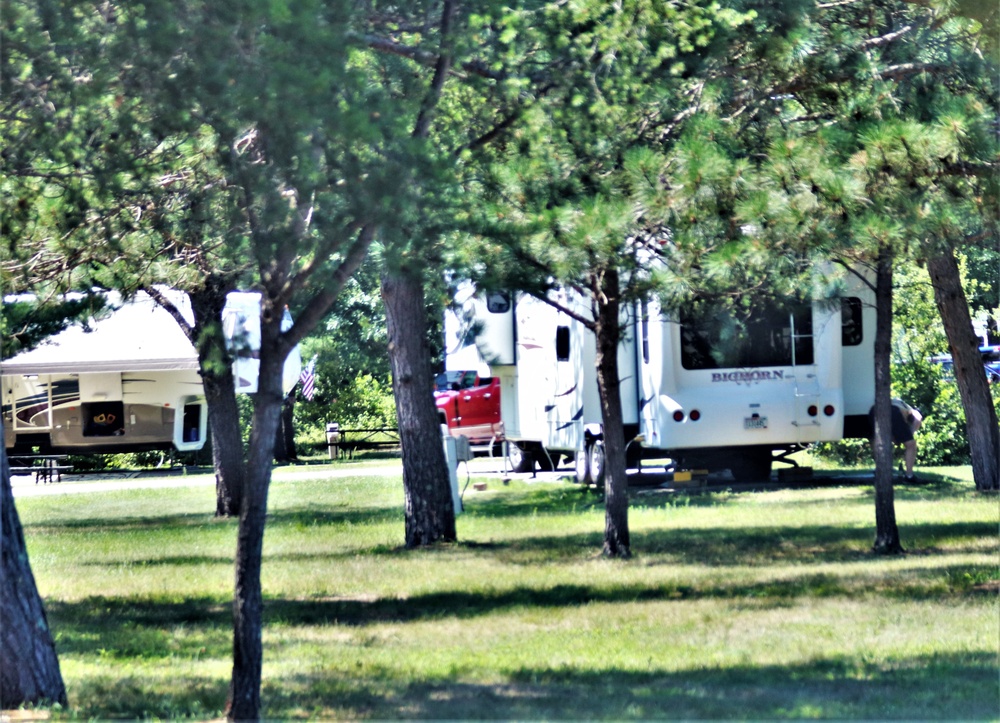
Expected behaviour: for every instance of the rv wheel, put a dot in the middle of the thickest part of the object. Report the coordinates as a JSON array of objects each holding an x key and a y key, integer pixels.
[
  {"x": 751, "y": 465},
  {"x": 597, "y": 462},
  {"x": 520, "y": 459},
  {"x": 581, "y": 466}
]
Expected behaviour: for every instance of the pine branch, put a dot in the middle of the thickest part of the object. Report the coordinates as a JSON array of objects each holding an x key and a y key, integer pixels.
[
  {"x": 854, "y": 266},
  {"x": 497, "y": 130},
  {"x": 885, "y": 39},
  {"x": 442, "y": 67},
  {"x": 904, "y": 70},
  {"x": 425, "y": 57},
  {"x": 673, "y": 123},
  {"x": 969, "y": 169},
  {"x": 588, "y": 323},
  {"x": 324, "y": 249},
  {"x": 838, "y": 4},
  {"x": 321, "y": 303},
  {"x": 167, "y": 305}
]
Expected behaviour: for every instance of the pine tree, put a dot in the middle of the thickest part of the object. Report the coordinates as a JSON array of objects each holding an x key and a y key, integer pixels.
[
  {"x": 854, "y": 132},
  {"x": 574, "y": 174}
]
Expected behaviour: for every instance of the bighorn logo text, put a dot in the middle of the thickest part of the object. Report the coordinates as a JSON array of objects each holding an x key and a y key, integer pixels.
[{"x": 748, "y": 377}]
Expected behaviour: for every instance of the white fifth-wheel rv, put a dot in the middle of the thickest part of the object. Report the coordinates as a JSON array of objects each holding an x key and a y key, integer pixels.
[
  {"x": 706, "y": 390},
  {"x": 128, "y": 382}
]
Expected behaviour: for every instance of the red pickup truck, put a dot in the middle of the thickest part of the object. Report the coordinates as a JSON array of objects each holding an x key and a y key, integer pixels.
[{"x": 469, "y": 405}]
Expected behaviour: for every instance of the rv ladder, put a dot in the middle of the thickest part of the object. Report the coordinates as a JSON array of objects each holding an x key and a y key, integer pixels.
[{"x": 813, "y": 392}]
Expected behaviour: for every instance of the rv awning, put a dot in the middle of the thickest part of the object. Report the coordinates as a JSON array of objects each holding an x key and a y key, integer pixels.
[{"x": 138, "y": 337}]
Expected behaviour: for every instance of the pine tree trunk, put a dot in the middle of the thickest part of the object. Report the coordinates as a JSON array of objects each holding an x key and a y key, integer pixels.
[
  {"x": 288, "y": 426},
  {"x": 29, "y": 667},
  {"x": 980, "y": 414},
  {"x": 608, "y": 332},
  {"x": 248, "y": 605},
  {"x": 430, "y": 512},
  {"x": 886, "y": 532},
  {"x": 215, "y": 365},
  {"x": 284, "y": 440},
  {"x": 227, "y": 442}
]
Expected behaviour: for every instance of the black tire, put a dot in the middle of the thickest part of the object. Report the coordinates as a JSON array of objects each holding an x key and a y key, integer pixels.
[
  {"x": 751, "y": 465},
  {"x": 520, "y": 459},
  {"x": 633, "y": 455}
]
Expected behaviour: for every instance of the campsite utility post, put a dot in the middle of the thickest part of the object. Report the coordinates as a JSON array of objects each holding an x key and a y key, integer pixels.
[{"x": 333, "y": 439}]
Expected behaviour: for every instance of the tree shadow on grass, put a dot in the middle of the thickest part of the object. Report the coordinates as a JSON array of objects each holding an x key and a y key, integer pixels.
[
  {"x": 923, "y": 687},
  {"x": 299, "y": 516},
  {"x": 721, "y": 492},
  {"x": 957, "y": 582},
  {"x": 913, "y": 688},
  {"x": 705, "y": 546},
  {"x": 934, "y": 686},
  {"x": 134, "y": 698},
  {"x": 100, "y": 611},
  {"x": 570, "y": 497},
  {"x": 928, "y": 687},
  {"x": 803, "y": 544},
  {"x": 742, "y": 546},
  {"x": 165, "y": 627}
]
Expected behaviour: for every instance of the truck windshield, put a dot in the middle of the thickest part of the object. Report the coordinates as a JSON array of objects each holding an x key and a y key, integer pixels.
[{"x": 443, "y": 382}]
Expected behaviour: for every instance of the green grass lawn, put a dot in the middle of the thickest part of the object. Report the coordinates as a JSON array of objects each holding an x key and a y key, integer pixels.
[{"x": 736, "y": 605}]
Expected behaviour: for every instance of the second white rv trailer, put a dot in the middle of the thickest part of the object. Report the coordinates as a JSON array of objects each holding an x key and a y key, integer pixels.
[
  {"x": 130, "y": 383},
  {"x": 712, "y": 392}
]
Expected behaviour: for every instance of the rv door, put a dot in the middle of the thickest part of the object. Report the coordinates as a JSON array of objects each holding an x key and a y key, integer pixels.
[
  {"x": 807, "y": 390},
  {"x": 31, "y": 402}
]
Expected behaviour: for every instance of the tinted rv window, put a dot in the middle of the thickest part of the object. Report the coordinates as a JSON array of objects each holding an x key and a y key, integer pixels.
[
  {"x": 851, "y": 330},
  {"x": 103, "y": 419},
  {"x": 562, "y": 343},
  {"x": 720, "y": 338},
  {"x": 498, "y": 302}
]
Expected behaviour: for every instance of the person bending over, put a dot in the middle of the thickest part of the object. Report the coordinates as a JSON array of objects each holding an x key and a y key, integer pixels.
[{"x": 905, "y": 421}]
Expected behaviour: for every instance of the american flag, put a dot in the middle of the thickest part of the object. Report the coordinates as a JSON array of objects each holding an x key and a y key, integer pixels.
[{"x": 308, "y": 379}]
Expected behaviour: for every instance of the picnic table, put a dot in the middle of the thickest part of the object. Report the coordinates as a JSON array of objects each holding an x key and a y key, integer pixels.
[
  {"x": 352, "y": 440},
  {"x": 45, "y": 467}
]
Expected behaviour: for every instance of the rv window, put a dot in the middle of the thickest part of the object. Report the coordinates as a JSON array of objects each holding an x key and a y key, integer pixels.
[
  {"x": 851, "y": 330},
  {"x": 722, "y": 338},
  {"x": 644, "y": 311},
  {"x": 103, "y": 419},
  {"x": 562, "y": 343},
  {"x": 498, "y": 302}
]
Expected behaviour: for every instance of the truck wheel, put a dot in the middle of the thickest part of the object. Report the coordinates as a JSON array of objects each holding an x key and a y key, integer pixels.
[
  {"x": 597, "y": 462},
  {"x": 520, "y": 460}
]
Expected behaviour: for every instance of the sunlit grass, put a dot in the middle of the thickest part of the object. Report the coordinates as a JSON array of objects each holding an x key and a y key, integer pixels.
[{"x": 746, "y": 605}]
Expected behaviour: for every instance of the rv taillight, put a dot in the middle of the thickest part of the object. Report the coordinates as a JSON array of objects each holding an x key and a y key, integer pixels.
[
  {"x": 813, "y": 410},
  {"x": 828, "y": 410},
  {"x": 695, "y": 415},
  {"x": 678, "y": 416}
]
